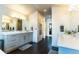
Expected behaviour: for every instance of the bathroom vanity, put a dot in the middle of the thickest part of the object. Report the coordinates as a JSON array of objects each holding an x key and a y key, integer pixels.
[
  {"x": 69, "y": 44},
  {"x": 15, "y": 39}
]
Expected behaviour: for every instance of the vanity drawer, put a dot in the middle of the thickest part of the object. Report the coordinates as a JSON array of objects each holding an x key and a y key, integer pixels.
[
  {"x": 7, "y": 42},
  {"x": 10, "y": 39},
  {"x": 10, "y": 48}
]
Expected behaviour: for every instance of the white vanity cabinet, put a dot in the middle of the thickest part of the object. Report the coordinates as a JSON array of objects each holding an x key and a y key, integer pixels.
[
  {"x": 25, "y": 38},
  {"x": 14, "y": 41},
  {"x": 10, "y": 43},
  {"x": 30, "y": 36},
  {"x": 20, "y": 39}
]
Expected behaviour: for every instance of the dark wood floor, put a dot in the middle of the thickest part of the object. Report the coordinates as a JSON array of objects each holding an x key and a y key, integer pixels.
[{"x": 43, "y": 47}]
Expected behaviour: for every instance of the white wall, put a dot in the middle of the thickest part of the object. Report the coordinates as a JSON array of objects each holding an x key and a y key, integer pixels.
[
  {"x": 43, "y": 28},
  {"x": 42, "y": 22},
  {"x": 33, "y": 23},
  {"x": 74, "y": 19},
  {"x": 35, "y": 19},
  {"x": 62, "y": 16},
  {"x": 59, "y": 17}
]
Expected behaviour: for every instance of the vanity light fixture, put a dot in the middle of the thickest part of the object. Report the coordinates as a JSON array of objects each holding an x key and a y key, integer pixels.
[{"x": 6, "y": 19}]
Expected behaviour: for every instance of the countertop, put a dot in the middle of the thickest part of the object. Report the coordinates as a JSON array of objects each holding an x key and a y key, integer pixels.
[
  {"x": 69, "y": 41},
  {"x": 2, "y": 34},
  {"x": 14, "y": 32}
]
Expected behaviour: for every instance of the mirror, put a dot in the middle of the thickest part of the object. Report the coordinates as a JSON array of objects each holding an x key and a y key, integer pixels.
[
  {"x": 6, "y": 20},
  {"x": 78, "y": 28},
  {"x": 61, "y": 28},
  {"x": 11, "y": 23},
  {"x": 19, "y": 24}
]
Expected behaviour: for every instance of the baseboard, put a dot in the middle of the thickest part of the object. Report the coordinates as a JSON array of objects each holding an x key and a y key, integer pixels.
[
  {"x": 55, "y": 48},
  {"x": 47, "y": 36},
  {"x": 32, "y": 42}
]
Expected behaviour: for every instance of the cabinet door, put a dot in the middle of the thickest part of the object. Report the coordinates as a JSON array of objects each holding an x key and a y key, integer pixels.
[
  {"x": 10, "y": 43},
  {"x": 10, "y": 47},
  {"x": 10, "y": 38},
  {"x": 30, "y": 37},
  {"x": 25, "y": 38},
  {"x": 20, "y": 40}
]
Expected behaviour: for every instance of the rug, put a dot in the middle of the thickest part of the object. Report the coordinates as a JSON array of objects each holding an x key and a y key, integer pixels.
[{"x": 25, "y": 47}]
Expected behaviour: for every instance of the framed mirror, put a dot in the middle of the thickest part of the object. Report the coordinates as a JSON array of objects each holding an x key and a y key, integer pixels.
[
  {"x": 61, "y": 28},
  {"x": 78, "y": 28}
]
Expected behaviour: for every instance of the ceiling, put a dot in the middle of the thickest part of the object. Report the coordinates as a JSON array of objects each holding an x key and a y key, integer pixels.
[
  {"x": 28, "y": 9},
  {"x": 41, "y": 7}
]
